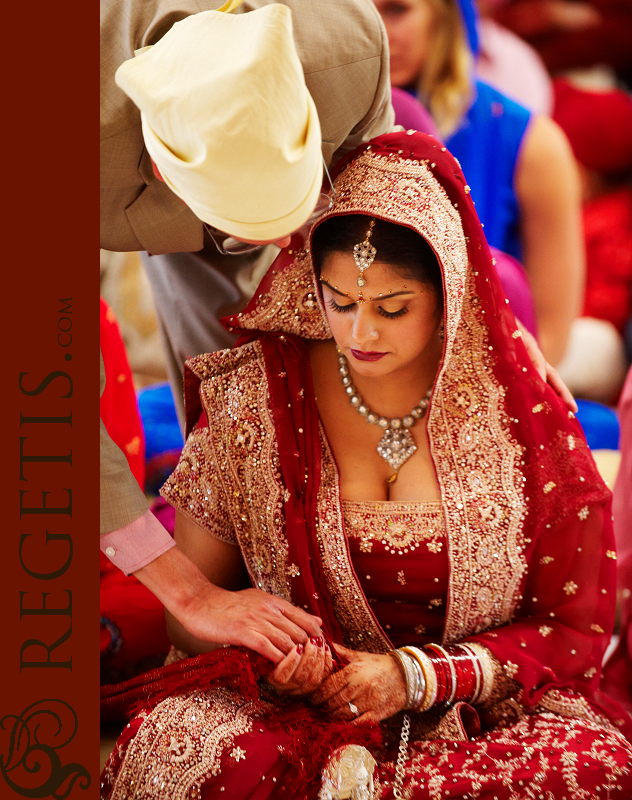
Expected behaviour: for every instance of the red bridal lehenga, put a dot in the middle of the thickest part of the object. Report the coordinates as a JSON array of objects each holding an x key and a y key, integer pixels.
[{"x": 516, "y": 560}]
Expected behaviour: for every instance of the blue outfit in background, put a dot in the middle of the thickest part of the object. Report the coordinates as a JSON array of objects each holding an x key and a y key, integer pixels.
[{"x": 487, "y": 145}]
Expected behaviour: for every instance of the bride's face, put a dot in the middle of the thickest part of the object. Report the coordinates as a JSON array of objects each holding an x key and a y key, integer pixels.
[
  {"x": 390, "y": 324},
  {"x": 409, "y": 26}
]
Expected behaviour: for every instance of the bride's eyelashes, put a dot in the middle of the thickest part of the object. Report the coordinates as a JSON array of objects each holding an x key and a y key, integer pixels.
[
  {"x": 392, "y": 314},
  {"x": 340, "y": 309},
  {"x": 388, "y": 314}
]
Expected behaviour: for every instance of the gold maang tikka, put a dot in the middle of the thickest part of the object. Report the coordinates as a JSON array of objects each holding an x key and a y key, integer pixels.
[{"x": 364, "y": 254}]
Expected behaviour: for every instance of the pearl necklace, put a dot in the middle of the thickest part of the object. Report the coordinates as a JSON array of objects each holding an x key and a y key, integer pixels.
[{"x": 396, "y": 445}]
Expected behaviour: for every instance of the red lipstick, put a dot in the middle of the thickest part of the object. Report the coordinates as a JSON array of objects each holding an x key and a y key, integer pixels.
[{"x": 361, "y": 355}]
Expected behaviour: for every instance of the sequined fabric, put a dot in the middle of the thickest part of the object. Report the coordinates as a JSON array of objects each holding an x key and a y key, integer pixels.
[
  {"x": 399, "y": 553},
  {"x": 517, "y": 559}
]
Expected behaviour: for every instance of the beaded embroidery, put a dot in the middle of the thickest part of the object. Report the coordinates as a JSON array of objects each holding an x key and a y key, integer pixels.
[{"x": 400, "y": 527}]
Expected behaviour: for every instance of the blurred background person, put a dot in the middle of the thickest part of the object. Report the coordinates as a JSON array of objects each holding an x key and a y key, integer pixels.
[
  {"x": 574, "y": 35},
  {"x": 599, "y": 127},
  {"x": 510, "y": 64},
  {"x": 519, "y": 164}
]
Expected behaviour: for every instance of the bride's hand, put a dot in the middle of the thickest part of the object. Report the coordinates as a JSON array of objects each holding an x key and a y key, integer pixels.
[
  {"x": 373, "y": 684},
  {"x": 303, "y": 669}
]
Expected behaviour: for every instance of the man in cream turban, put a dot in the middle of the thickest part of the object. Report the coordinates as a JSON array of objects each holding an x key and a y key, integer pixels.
[
  {"x": 217, "y": 124},
  {"x": 228, "y": 120}
]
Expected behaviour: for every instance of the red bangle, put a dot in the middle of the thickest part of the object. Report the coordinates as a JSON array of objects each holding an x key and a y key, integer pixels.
[
  {"x": 465, "y": 669},
  {"x": 445, "y": 682},
  {"x": 459, "y": 674},
  {"x": 478, "y": 672}
]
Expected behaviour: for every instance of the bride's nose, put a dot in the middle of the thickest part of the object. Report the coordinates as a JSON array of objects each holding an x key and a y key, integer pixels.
[{"x": 363, "y": 329}]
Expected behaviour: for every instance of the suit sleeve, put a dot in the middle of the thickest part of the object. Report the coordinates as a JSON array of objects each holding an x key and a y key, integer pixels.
[{"x": 121, "y": 499}]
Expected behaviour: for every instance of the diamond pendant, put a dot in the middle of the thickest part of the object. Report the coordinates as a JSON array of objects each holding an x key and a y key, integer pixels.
[{"x": 396, "y": 447}]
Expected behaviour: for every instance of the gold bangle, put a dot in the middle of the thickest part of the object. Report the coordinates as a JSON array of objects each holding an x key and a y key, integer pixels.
[
  {"x": 409, "y": 676},
  {"x": 429, "y": 674}
]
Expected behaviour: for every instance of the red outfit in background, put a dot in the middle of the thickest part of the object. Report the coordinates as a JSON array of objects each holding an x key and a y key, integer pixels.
[
  {"x": 598, "y": 125},
  {"x": 547, "y": 25},
  {"x": 133, "y": 630},
  {"x": 608, "y": 235}
]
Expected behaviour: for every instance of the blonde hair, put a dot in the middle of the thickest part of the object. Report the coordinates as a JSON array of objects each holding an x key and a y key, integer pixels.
[{"x": 445, "y": 84}]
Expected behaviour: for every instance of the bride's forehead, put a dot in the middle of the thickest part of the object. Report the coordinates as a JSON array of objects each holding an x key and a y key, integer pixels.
[{"x": 341, "y": 267}]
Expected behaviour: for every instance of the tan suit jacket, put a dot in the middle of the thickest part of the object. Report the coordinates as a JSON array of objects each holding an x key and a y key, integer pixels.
[
  {"x": 343, "y": 47},
  {"x": 344, "y": 51},
  {"x": 122, "y": 500}
]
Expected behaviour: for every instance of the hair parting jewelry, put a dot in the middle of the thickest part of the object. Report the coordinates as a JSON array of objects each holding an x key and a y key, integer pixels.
[{"x": 364, "y": 254}]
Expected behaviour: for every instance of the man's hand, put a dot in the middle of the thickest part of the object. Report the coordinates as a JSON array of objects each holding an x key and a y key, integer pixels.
[
  {"x": 250, "y": 618},
  {"x": 548, "y": 373},
  {"x": 202, "y": 615}
]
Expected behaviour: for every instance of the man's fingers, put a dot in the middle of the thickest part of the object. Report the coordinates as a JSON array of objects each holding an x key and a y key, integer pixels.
[
  {"x": 255, "y": 619},
  {"x": 279, "y": 638},
  {"x": 306, "y": 622},
  {"x": 260, "y": 644},
  {"x": 286, "y": 626},
  {"x": 259, "y": 632},
  {"x": 556, "y": 383}
]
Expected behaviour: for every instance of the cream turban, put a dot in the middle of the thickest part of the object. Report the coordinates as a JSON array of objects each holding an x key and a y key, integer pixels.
[{"x": 229, "y": 122}]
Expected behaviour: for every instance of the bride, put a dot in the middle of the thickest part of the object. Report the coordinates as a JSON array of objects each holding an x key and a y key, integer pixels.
[{"x": 379, "y": 451}]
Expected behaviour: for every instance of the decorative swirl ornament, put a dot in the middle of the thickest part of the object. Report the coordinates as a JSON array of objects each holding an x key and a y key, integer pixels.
[
  {"x": 396, "y": 445},
  {"x": 31, "y": 764}
]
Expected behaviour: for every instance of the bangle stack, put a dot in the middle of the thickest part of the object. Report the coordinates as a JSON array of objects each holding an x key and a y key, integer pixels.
[
  {"x": 416, "y": 686},
  {"x": 437, "y": 675}
]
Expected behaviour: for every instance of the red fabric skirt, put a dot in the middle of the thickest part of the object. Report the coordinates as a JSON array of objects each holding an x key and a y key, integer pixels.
[{"x": 207, "y": 727}]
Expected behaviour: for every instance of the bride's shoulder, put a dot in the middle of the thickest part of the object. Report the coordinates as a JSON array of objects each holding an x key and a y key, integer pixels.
[{"x": 224, "y": 362}]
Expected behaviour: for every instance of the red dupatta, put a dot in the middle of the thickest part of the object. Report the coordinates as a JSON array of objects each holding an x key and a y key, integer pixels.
[
  {"x": 297, "y": 430},
  {"x": 518, "y": 482}
]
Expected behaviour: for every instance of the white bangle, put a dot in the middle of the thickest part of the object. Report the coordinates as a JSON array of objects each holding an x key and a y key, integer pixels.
[
  {"x": 429, "y": 676},
  {"x": 415, "y": 680}
]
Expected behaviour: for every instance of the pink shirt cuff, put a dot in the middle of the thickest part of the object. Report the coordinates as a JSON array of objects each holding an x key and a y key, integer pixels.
[{"x": 138, "y": 543}]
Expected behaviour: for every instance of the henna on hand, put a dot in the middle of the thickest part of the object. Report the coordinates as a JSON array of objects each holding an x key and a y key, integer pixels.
[
  {"x": 372, "y": 683},
  {"x": 303, "y": 669}
]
